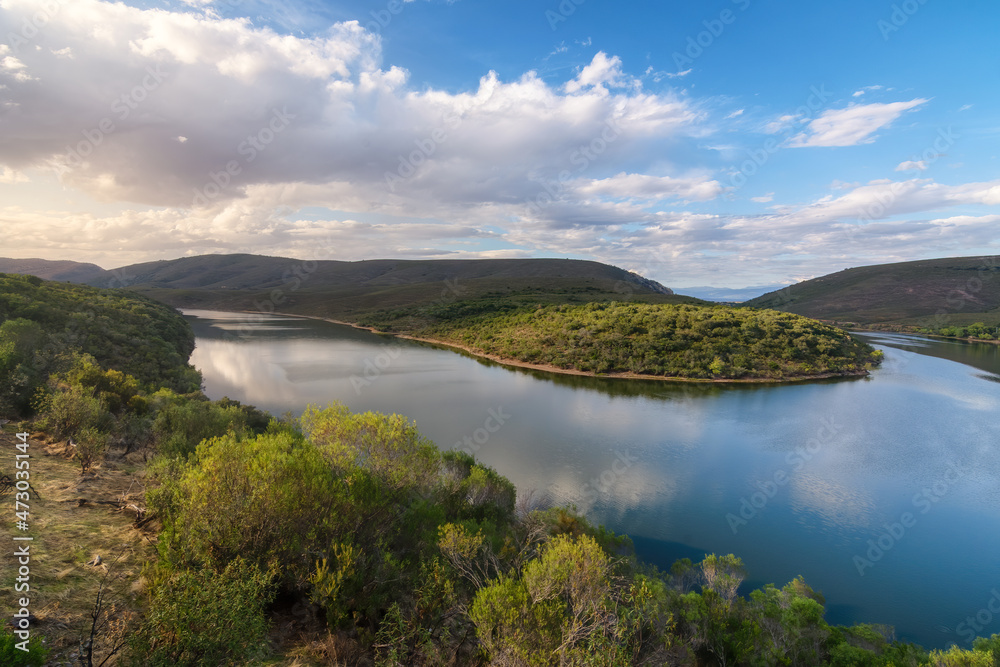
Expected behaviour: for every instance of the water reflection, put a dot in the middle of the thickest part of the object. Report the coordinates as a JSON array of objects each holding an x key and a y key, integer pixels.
[
  {"x": 811, "y": 472},
  {"x": 984, "y": 356}
]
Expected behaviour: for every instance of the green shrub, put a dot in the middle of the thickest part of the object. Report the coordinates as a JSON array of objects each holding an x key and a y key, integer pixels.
[
  {"x": 20, "y": 365},
  {"x": 118, "y": 391},
  {"x": 182, "y": 422},
  {"x": 334, "y": 584},
  {"x": 71, "y": 410},
  {"x": 559, "y": 611},
  {"x": 207, "y": 618},
  {"x": 267, "y": 498},
  {"x": 91, "y": 447},
  {"x": 12, "y": 656}
]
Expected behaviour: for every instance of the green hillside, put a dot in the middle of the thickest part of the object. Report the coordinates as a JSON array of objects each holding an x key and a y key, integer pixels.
[
  {"x": 74, "y": 272},
  {"x": 659, "y": 340},
  {"x": 925, "y": 294},
  {"x": 259, "y": 272},
  {"x": 350, "y": 290},
  {"x": 44, "y": 324}
]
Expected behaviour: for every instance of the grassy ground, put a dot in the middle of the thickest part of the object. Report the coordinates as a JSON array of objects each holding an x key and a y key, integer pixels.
[
  {"x": 65, "y": 580},
  {"x": 73, "y": 519}
]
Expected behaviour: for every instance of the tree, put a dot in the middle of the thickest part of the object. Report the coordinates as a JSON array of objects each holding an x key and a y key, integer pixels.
[{"x": 562, "y": 609}]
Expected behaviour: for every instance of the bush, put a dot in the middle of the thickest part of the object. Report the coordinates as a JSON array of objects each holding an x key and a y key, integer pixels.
[
  {"x": 118, "y": 391},
  {"x": 561, "y": 609},
  {"x": 90, "y": 448},
  {"x": 20, "y": 365},
  {"x": 12, "y": 656},
  {"x": 207, "y": 618},
  {"x": 271, "y": 497},
  {"x": 182, "y": 422},
  {"x": 72, "y": 410}
]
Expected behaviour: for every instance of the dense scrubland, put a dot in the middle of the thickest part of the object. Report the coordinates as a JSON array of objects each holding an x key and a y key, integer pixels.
[
  {"x": 661, "y": 340},
  {"x": 340, "y": 538}
]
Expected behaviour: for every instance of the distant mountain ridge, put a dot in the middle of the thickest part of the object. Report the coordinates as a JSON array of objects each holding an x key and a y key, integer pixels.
[
  {"x": 919, "y": 294},
  {"x": 246, "y": 271},
  {"x": 261, "y": 272},
  {"x": 346, "y": 290},
  {"x": 930, "y": 293},
  {"x": 62, "y": 270}
]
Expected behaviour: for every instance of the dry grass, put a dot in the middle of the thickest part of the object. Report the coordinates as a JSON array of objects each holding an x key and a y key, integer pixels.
[
  {"x": 75, "y": 518},
  {"x": 326, "y": 649}
]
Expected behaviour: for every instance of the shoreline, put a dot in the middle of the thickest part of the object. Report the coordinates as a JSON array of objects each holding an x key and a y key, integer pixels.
[
  {"x": 868, "y": 329},
  {"x": 547, "y": 368}
]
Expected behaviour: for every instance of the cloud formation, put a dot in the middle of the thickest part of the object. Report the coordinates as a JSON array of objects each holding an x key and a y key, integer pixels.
[
  {"x": 191, "y": 108},
  {"x": 191, "y": 133},
  {"x": 854, "y": 125}
]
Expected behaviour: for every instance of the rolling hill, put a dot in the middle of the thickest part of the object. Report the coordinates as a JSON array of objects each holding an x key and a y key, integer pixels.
[
  {"x": 926, "y": 294},
  {"x": 260, "y": 272},
  {"x": 349, "y": 290},
  {"x": 74, "y": 272}
]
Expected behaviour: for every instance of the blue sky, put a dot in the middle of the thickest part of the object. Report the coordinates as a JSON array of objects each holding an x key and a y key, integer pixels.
[{"x": 730, "y": 143}]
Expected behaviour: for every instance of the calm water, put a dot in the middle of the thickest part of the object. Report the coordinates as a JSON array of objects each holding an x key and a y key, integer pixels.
[{"x": 883, "y": 492}]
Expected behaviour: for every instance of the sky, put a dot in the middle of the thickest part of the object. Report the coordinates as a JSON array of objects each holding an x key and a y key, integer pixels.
[{"x": 731, "y": 143}]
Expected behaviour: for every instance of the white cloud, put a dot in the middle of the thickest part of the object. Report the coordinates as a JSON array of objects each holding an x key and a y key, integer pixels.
[
  {"x": 854, "y": 125},
  {"x": 8, "y": 175},
  {"x": 658, "y": 76},
  {"x": 781, "y": 124},
  {"x": 15, "y": 69},
  {"x": 861, "y": 226},
  {"x": 812, "y": 239},
  {"x": 351, "y": 120},
  {"x": 764, "y": 198},
  {"x": 602, "y": 71},
  {"x": 910, "y": 165},
  {"x": 738, "y": 112},
  {"x": 862, "y": 91},
  {"x": 651, "y": 188}
]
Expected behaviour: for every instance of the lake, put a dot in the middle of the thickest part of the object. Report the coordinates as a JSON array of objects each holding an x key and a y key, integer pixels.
[{"x": 883, "y": 492}]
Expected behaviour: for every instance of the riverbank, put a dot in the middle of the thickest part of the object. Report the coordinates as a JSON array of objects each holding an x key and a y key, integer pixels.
[
  {"x": 548, "y": 368},
  {"x": 907, "y": 332}
]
